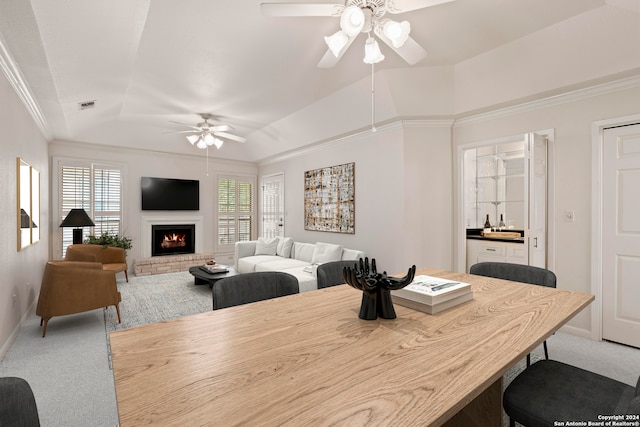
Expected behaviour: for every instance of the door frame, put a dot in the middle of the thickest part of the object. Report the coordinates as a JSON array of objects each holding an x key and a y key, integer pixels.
[
  {"x": 597, "y": 146},
  {"x": 261, "y": 198},
  {"x": 460, "y": 259}
]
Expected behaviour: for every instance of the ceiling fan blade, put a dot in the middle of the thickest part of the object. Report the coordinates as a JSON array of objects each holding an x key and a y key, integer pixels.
[
  {"x": 410, "y": 51},
  {"x": 301, "y": 9},
  {"x": 401, "y": 6},
  {"x": 182, "y": 131},
  {"x": 220, "y": 128},
  {"x": 230, "y": 136},
  {"x": 329, "y": 60}
]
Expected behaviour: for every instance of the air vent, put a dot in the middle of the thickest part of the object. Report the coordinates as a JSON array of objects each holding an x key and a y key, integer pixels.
[{"x": 86, "y": 105}]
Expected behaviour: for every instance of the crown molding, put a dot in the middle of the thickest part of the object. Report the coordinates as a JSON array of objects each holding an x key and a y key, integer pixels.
[
  {"x": 14, "y": 76},
  {"x": 550, "y": 101},
  {"x": 350, "y": 136}
]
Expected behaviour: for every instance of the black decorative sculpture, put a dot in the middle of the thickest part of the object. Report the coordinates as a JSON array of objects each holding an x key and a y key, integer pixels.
[{"x": 375, "y": 287}]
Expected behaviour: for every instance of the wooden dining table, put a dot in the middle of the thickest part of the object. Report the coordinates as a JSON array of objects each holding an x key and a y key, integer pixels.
[{"x": 308, "y": 360}]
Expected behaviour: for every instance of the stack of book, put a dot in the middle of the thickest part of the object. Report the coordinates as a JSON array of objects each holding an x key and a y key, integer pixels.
[{"x": 432, "y": 294}]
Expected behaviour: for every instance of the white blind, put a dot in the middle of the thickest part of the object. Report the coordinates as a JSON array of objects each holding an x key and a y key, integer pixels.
[
  {"x": 235, "y": 211},
  {"x": 95, "y": 188}
]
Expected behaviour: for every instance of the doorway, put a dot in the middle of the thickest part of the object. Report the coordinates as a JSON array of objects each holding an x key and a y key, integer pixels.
[
  {"x": 273, "y": 205},
  {"x": 620, "y": 245},
  {"x": 515, "y": 191}
]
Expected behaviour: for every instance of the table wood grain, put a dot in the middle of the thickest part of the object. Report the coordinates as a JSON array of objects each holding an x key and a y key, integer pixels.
[{"x": 307, "y": 359}]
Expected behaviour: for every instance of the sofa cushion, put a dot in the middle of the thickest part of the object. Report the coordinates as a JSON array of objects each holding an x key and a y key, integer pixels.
[
  {"x": 280, "y": 264},
  {"x": 284, "y": 247},
  {"x": 351, "y": 254},
  {"x": 248, "y": 264},
  {"x": 326, "y": 252},
  {"x": 306, "y": 281},
  {"x": 303, "y": 251},
  {"x": 266, "y": 246}
]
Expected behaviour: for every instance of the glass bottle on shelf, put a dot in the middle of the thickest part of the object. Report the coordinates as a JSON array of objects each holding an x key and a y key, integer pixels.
[
  {"x": 487, "y": 225},
  {"x": 501, "y": 224}
]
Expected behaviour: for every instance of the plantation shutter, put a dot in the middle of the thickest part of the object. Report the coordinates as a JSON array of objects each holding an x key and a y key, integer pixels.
[
  {"x": 235, "y": 211},
  {"x": 95, "y": 188}
]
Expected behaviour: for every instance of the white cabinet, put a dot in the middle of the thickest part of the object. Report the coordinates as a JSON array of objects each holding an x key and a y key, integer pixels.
[{"x": 490, "y": 251}]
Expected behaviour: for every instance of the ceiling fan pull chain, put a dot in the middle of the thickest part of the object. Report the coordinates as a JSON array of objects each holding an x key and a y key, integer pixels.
[
  {"x": 207, "y": 160},
  {"x": 373, "y": 99}
]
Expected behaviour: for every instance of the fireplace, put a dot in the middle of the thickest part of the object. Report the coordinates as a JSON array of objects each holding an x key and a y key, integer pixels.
[{"x": 173, "y": 239}]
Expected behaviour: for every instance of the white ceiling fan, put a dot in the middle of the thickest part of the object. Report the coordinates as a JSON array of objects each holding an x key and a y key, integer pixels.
[
  {"x": 362, "y": 16},
  {"x": 205, "y": 134}
]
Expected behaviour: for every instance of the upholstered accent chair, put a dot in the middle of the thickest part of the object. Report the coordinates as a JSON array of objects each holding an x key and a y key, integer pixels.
[
  {"x": 517, "y": 273},
  {"x": 550, "y": 391},
  {"x": 252, "y": 287},
  {"x": 70, "y": 287},
  {"x": 17, "y": 403},
  {"x": 330, "y": 273},
  {"x": 111, "y": 258}
]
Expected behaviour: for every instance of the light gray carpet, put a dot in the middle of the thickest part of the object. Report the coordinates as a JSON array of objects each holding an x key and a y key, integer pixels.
[{"x": 152, "y": 299}]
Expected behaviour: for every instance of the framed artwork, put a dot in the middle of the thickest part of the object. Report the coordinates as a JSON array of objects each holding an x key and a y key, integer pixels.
[
  {"x": 329, "y": 199},
  {"x": 28, "y": 206}
]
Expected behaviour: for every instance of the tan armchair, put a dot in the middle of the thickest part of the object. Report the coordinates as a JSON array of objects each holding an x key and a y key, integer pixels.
[
  {"x": 70, "y": 287},
  {"x": 113, "y": 259}
]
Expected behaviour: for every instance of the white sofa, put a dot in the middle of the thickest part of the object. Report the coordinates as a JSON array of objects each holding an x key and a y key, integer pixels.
[{"x": 296, "y": 258}]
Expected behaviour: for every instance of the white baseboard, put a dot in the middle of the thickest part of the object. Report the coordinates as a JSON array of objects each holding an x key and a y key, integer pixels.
[
  {"x": 579, "y": 332},
  {"x": 9, "y": 342}
]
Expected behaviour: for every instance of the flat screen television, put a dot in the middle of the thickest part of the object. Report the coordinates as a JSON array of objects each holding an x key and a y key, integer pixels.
[{"x": 167, "y": 194}]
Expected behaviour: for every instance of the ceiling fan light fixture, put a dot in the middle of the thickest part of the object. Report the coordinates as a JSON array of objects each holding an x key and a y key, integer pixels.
[
  {"x": 208, "y": 138},
  {"x": 352, "y": 20},
  {"x": 397, "y": 32},
  {"x": 193, "y": 138},
  {"x": 337, "y": 42},
  {"x": 201, "y": 144},
  {"x": 372, "y": 54},
  {"x": 217, "y": 142}
]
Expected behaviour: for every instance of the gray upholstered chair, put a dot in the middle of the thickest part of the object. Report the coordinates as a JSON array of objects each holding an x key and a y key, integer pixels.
[
  {"x": 252, "y": 287},
  {"x": 17, "y": 404},
  {"x": 330, "y": 273},
  {"x": 517, "y": 273},
  {"x": 550, "y": 391}
]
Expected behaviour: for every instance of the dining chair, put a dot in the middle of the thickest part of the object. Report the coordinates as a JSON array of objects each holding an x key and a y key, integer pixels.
[
  {"x": 331, "y": 273},
  {"x": 517, "y": 273},
  {"x": 17, "y": 404},
  {"x": 252, "y": 287},
  {"x": 550, "y": 391}
]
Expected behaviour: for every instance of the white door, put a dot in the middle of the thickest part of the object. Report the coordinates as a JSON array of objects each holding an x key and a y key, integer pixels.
[
  {"x": 621, "y": 235},
  {"x": 537, "y": 197},
  {"x": 273, "y": 206}
]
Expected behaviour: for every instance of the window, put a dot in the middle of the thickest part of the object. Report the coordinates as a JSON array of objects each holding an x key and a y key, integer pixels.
[
  {"x": 235, "y": 211},
  {"x": 97, "y": 189}
]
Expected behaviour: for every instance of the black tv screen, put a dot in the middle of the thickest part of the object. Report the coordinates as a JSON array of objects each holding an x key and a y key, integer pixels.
[{"x": 167, "y": 194}]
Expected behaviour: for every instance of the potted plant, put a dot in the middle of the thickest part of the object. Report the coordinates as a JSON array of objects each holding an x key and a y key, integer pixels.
[{"x": 107, "y": 239}]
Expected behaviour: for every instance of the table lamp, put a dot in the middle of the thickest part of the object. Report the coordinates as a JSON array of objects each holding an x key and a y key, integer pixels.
[{"x": 77, "y": 218}]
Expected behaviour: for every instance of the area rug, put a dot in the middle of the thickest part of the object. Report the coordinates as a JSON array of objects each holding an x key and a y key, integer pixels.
[{"x": 152, "y": 299}]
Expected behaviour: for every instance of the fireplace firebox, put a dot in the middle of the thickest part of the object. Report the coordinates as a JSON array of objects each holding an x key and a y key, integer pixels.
[{"x": 173, "y": 239}]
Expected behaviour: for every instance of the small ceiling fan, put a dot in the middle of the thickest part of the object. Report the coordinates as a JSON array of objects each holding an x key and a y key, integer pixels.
[
  {"x": 361, "y": 16},
  {"x": 205, "y": 134}
]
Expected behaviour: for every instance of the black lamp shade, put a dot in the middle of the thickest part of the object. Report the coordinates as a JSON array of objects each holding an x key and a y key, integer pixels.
[{"x": 77, "y": 218}]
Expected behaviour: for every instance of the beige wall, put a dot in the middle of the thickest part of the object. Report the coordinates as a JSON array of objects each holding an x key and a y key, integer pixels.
[
  {"x": 21, "y": 270},
  {"x": 403, "y": 193}
]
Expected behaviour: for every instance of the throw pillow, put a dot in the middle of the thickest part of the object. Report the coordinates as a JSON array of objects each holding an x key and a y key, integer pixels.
[
  {"x": 326, "y": 252},
  {"x": 266, "y": 246},
  {"x": 284, "y": 247}
]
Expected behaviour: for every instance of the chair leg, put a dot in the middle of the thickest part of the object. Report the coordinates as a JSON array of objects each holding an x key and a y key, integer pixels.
[
  {"x": 528, "y": 360},
  {"x": 546, "y": 352},
  {"x": 118, "y": 311},
  {"x": 511, "y": 422},
  {"x": 44, "y": 329},
  {"x": 126, "y": 275}
]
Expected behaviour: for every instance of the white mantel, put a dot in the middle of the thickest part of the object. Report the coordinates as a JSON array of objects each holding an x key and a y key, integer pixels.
[{"x": 148, "y": 221}]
